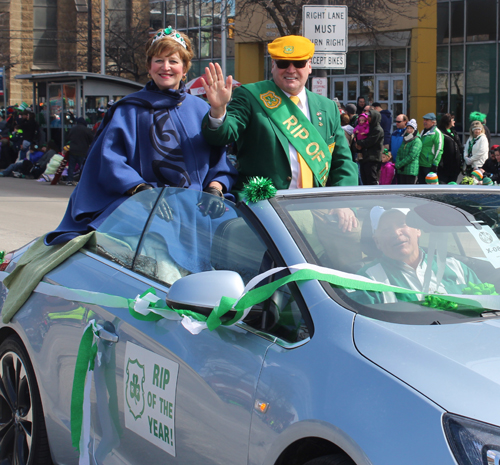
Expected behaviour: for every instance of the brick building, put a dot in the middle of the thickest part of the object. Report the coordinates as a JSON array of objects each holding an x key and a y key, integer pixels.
[{"x": 442, "y": 56}]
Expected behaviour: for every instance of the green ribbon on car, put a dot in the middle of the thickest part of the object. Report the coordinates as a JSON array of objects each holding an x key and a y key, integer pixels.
[
  {"x": 148, "y": 307},
  {"x": 85, "y": 362}
]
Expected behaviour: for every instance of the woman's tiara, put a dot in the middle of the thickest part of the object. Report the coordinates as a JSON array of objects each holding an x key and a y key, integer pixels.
[{"x": 171, "y": 34}]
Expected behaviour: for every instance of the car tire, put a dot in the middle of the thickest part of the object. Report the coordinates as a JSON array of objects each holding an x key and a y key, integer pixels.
[
  {"x": 336, "y": 459},
  {"x": 23, "y": 437}
]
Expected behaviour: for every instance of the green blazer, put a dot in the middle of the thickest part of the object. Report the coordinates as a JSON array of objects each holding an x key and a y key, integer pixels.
[{"x": 263, "y": 148}]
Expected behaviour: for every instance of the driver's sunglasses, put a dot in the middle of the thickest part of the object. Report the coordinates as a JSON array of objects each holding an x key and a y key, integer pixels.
[{"x": 284, "y": 64}]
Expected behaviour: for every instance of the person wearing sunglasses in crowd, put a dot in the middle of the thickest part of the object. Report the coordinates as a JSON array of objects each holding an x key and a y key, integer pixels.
[
  {"x": 283, "y": 131},
  {"x": 397, "y": 136}
]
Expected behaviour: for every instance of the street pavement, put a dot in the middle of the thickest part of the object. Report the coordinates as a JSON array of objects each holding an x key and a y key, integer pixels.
[{"x": 29, "y": 209}]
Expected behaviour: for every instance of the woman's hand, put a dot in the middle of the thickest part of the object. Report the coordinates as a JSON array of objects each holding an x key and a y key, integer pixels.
[{"x": 217, "y": 89}]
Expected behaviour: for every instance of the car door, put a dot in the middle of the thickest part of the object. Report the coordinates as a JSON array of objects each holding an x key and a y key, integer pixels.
[{"x": 161, "y": 393}]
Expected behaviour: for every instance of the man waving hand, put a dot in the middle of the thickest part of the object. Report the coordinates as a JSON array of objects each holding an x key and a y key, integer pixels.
[{"x": 283, "y": 131}]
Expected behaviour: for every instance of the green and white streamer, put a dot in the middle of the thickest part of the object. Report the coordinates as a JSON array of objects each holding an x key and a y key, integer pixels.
[
  {"x": 148, "y": 307},
  {"x": 80, "y": 395}
]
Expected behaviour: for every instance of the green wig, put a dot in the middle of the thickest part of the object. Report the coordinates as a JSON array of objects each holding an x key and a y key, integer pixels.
[{"x": 477, "y": 116}]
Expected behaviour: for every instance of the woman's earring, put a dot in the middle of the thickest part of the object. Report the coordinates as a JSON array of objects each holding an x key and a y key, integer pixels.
[{"x": 184, "y": 78}]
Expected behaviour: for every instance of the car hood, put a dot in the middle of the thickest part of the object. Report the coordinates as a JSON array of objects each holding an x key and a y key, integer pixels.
[{"x": 456, "y": 366}]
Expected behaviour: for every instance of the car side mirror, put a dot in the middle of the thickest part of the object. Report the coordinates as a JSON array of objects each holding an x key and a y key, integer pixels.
[{"x": 201, "y": 292}]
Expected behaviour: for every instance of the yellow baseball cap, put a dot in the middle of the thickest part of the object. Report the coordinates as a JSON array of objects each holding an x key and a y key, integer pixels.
[{"x": 291, "y": 48}]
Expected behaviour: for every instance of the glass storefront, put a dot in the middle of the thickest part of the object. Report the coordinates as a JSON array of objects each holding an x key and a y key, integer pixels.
[
  {"x": 377, "y": 75},
  {"x": 468, "y": 60},
  {"x": 201, "y": 21}
]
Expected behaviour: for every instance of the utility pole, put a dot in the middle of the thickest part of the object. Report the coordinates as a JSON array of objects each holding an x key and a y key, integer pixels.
[
  {"x": 223, "y": 43},
  {"x": 89, "y": 36},
  {"x": 322, "y": 72},
  {"x": 103, "y": 37}
]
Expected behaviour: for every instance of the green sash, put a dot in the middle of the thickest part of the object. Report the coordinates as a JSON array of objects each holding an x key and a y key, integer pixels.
[{"x": 299, "y": 131}]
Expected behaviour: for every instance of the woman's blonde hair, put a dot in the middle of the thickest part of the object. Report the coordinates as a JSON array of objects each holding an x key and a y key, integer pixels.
[
  {"x": 168, "y": 46},
  {"x": 476, "y": 125}
]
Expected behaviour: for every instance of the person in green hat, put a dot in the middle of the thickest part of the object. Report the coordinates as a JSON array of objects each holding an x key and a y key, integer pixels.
[{"x": 481, "y": 117}]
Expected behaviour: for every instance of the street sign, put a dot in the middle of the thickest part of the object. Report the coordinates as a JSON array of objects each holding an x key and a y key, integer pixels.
[
  {"x": 328, "y": 60},
  {"x": 320, "y": 86},
  {"x": 326, "y": 27}
]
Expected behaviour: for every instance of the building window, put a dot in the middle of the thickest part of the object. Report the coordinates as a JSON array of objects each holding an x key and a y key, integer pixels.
[
  {"x": 442, "y": 59},
  {"x": 156, "y": 15},
  {"x": 481, "y": 80},
  {"x": 383, "y": 61},
  {"x": 470, "y": 70},
  {"x": 45, "y": 32},
  {"x": 398, "y": 61},
  {"x": 457, "y": 21},
  {"x": 481, "y": 20},
  {"x": 443, "y": 29},
  {"x": 201, "y": 21},
  {"x": 119, "y": 16},
  {"x": 367, "y": 62},
  {"x": 352, "y": 65},
  {"x": 457, "y": 58}
]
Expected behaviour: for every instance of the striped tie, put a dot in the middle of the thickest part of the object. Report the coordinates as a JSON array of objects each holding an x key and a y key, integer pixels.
[{"x": 306, "y": 175}]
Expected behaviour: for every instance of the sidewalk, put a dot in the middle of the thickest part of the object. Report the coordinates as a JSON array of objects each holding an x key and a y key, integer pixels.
[{"x": 29, "y": 209}]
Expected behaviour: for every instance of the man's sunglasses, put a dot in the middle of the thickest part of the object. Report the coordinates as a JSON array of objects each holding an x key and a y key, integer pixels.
[{"x": 284, "y": 64}]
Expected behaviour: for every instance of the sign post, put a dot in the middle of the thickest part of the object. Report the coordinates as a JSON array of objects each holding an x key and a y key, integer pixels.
[
  {"x": 326, "y": 27},
  {"x": 2, "y": 85}
]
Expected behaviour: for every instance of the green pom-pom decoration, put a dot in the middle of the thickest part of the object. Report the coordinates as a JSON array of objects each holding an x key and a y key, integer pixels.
[
  {"x": 480, "y": 289},
  {"x": 434, "y": 301},
  {"x": 477, "y": 116},
  {"x": 259, "y": 188},
  {"x": 2, "y": 256},
  {"x": 468, "y": 180}
]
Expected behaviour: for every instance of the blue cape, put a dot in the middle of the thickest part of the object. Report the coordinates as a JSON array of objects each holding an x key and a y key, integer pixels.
[{"x": 152, "y": 137}]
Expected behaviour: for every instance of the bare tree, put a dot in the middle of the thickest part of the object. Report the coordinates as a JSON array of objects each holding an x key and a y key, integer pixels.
[
  {"x": 126, "y": 34},
  {"x": 369, "y": 16},
  {"x": 126, "y": 42}
]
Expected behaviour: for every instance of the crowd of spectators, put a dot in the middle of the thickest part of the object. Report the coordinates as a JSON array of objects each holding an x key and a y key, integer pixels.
[
  {"x": 25, "y": 153},
  {"x": 407, "y": 156}
]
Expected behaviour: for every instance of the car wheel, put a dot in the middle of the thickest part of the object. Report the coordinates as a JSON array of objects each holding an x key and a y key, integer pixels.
[
  {"x": 23, "y": 438},
  {"x": 336, "y": 459}
]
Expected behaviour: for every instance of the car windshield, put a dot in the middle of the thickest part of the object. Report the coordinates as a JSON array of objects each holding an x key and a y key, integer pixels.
[
  {"x": 167, "y": 233},
  {"x": 430, "y": 246}
]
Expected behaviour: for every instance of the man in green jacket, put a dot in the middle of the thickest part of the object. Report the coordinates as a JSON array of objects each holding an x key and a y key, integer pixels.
[
  {"x": 432, "y": 147},
  {"x": 403, "y": 263},
  {"x": 283, "y": 131}
]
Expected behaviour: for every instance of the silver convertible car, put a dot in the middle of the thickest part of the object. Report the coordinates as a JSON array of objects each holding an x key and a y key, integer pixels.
[{"x": 331, "y": 326}]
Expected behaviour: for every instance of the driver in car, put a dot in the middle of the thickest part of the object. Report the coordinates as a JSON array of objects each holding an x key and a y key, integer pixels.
[{"x": 403, "y": 263}]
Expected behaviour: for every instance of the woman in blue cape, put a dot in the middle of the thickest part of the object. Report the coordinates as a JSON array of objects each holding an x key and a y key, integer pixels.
[{"x": 151, "y": 138}]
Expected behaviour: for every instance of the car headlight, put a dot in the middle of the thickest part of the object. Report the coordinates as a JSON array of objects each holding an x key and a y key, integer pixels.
[{"x": 472, "y": 442}]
